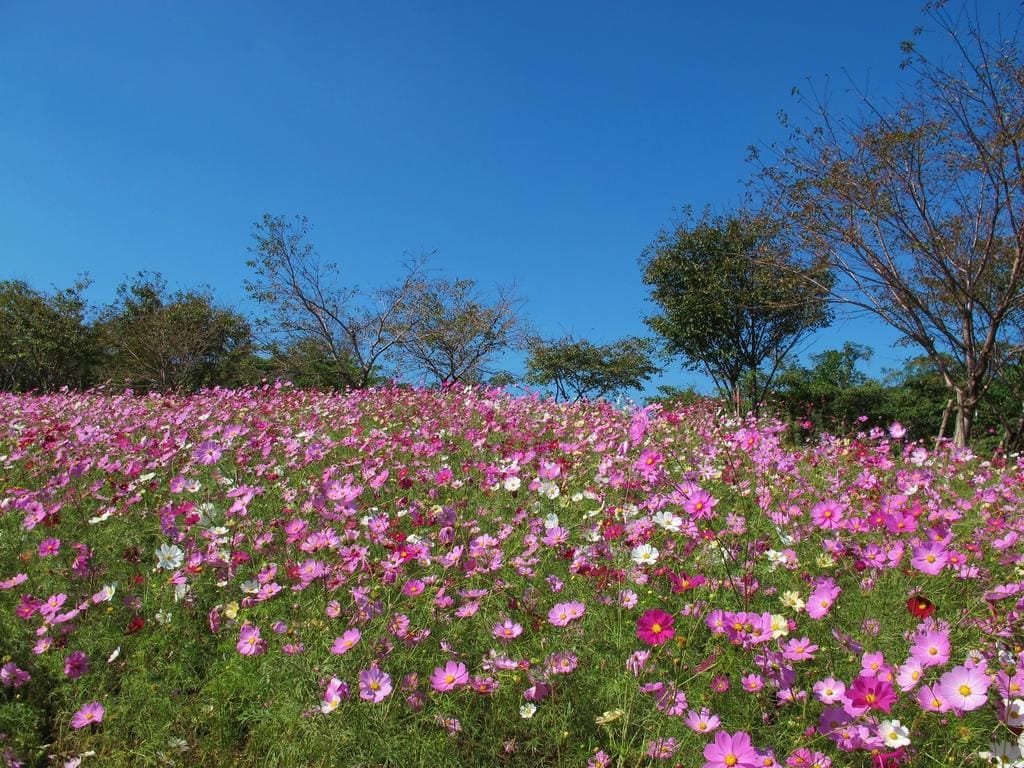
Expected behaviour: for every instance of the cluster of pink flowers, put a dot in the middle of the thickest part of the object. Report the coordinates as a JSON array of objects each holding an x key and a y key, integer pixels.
[{"x": 425, "y": 550}]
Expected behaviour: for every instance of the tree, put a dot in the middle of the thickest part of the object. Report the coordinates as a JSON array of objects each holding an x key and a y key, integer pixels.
[
  {"x": 307, "y": 362},
  {"x": 732, "y": 298},
  {"x": 453, "y": 332},
  {"x": 156, "y": 340},
  {"x": 305, "y": 300},
  {"x": 833, "y": 394},
  {"x": 920, "y": 207},
  {"x": 581, "y": 369},
  {"x": 45, "y": 341}
]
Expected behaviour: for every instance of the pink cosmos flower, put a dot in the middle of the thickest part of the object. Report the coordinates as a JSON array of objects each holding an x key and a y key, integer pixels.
[
  {"x": 931, "y": 698},
  {"x": 752, "y": 683},
  {"x": 931, "y": 649},
  {"x": 828, "y": 514},
  {"x": 453, "y": 675},
  {"x": 909, "y": 674},
  {"x": 829, "y": 690},
  {"x": 562, "y": 613},
  {"x": 965, "y": 688},
  {"x": 13, "y": 677},
  {"x": 90, "y": 714},
  {"x": 346, "y": 642},
  {"x": 207, "y": 453},
  {"x": 374, "y": 685},
  {"x": 929, "y": 557},
  {"x": 654, "y": 627},
  {"x": 731, "y": 751},
  {"x": 53, "y": 604},
  {"x": 703, "y": 721},
  {"x": 820, "y": 601},
  {"x": 507, "y": 630},
  {"x": 799, "y": 650},
  {"x": 249, "y": 641},
  {"x": 336, "y": 692}
]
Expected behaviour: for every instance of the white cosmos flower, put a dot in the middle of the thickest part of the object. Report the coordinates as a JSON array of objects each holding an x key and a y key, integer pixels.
[
  {"x": 113, "y": 656},
  {"x": 549, "y": 489},
  {"x": 1014, "y": 713},
  {"x": 1004, "y": 754},
  {"x": 512, "y": 483},
  {"x": 894, "y": 734},
  {"x": 671, "y": 522},
  {"x": 527, "y": 710},
  {"x": 551, "y": 521},
  {"x": 169, "y": 557},
  {"x": 644, "y": 554}
]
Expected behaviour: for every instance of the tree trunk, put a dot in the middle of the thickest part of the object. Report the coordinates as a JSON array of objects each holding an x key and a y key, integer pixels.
[
  {"x": 945, "y": 421},
  {"x": 966, "y": 402}
]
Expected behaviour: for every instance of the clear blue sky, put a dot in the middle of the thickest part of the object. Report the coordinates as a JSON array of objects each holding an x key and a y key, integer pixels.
[{"x": 538, "y": 143}]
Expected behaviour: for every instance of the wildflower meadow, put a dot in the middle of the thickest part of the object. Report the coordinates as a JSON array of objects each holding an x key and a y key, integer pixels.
[{"x": 405, "y": 577}]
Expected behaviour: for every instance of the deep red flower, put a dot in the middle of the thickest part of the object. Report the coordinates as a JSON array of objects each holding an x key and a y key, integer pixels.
[
  {"x": 921, "y": 607},
  {"x": 136, "y": 623}
]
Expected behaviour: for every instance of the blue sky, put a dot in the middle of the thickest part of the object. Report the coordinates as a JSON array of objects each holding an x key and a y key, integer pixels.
[{"x": 543, "y": 144}]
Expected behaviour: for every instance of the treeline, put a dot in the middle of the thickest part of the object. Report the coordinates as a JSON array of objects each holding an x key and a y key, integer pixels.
[
  {"x": 312, "y": 329},
  {"x": 911, "y": 211}
]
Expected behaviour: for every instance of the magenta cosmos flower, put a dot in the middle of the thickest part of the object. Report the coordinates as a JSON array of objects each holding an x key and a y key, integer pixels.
[
  {"x": 730, "y": 751},
  {"x": 90, "y": 714},
  {"x": 965, "y": 688},
  {"x": 869, "y": 692},
  {"x": 654, "y": 627},
  {"x": 562, "y": 613},
  {"x": 449, "y": 677},
  {"x": 374, "y": 685}
]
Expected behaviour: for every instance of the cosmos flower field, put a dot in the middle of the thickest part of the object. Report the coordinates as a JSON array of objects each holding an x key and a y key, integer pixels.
[{"x": 402, "y": 577}]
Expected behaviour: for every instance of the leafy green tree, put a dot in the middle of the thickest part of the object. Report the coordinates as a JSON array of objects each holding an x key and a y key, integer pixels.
[
  {"x": 45, "y": 341},
  {"x": 732, "y": 300},
  {"x": 308, "y": 363},
  {"x": 454, "y": 332},
  {"x": 832, "y": 395},
  {"x": 157, "y": 340},
  {"x": 580, "y": 369},
  {"x": 918, "y": 204}
]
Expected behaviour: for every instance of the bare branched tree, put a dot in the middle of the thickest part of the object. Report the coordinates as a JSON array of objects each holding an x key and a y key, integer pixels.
[
  {"x": 454, "y": 331},
  {"x": 306, "y": 300},
  {"x": 920, "y": 207}
]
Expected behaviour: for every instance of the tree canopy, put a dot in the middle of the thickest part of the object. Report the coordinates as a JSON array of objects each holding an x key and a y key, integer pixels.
[
  {"x": 919, "y": 205},
  {"x": 580, "y": 369},
  {"x": 731, "y": 299}
]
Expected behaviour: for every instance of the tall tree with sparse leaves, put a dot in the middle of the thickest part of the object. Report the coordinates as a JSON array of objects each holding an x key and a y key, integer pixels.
[
  {"x": 919, "y": 203},
  {"x": 305, "y": 299}
]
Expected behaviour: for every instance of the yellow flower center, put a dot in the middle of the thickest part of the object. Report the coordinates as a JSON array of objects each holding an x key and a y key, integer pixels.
[
  {"x": 656, "y": 628},
  {"x": 964, "y": 690},
  {"x": 731, "y": 759}
]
